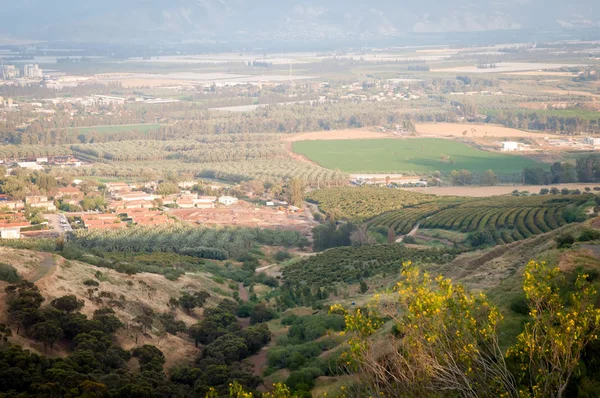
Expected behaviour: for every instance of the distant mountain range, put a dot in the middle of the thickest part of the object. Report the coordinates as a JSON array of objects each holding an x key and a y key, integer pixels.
[{"x": 209, "y": 20}]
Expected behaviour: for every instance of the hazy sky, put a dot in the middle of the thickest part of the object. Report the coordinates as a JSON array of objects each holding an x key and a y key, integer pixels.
[{"x": 197, "y": 19}]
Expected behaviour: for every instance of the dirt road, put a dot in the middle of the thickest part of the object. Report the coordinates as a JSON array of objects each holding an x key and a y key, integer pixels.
[
  {"x": 413, "y": 232},
  {"x": 243, "y": 292},
  {"x": 44, "y": 268}
]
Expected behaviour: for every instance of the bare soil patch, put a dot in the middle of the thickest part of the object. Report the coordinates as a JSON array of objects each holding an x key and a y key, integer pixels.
[
  {"x": 247, "y": 215},
  {"x": 473, "y": 130},
  {"x": 479, "y": 192},
  {"x": 571, "y": 92}
]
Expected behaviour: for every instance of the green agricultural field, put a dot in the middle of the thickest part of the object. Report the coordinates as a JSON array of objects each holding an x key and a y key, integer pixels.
[
  {"x": 411, "y": 155},
  {"x": 118, "y": 128}
]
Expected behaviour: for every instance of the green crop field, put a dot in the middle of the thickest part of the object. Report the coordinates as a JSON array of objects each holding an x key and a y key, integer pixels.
[
  {"x": 118, "y": 128},
  {"x": 411, "y": 155}
]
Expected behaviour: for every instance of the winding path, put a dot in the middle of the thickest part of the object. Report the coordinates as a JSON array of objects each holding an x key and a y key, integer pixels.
[
  {"x": 411, "y": 233},
  {"x": 44, "y": 268}
]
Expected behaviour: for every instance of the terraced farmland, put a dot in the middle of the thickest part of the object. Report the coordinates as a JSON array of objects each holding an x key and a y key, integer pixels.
[{"x": 507, "y": 218}]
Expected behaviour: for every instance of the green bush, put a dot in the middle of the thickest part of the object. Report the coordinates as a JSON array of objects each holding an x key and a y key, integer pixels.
[
  {"x": 409, "y": 240},
  {"x": 282, "y": 256},
  {"x": 8, "y": 273},
  {"x": 588, "y": 235},
  {"x": 520, "y": 306},
  {"x": 565, "y": 241}
]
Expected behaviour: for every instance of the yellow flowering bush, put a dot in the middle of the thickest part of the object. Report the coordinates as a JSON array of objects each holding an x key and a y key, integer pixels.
[
  {"x": 444, "y": 338},
  {"x": 550, "y": 346}
]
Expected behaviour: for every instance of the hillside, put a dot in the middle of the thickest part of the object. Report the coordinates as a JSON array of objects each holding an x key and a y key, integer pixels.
[{"x": 129, "y": 296}]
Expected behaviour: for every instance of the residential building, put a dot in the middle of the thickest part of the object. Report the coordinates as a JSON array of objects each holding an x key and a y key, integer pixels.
[
  {"x": 40, "y": 202},
  {"x": 228, "y": 200},
  {"x": 9, "y": 72},
  {"x": 205, "y": 202},
  {"x": 32, "y": 71},
  {"x": 113, "y": 187},
  {"x": 134, "y": 196},
  {"x": 185, "y": 203},
  {"x": 11, "y": 225},
  {"x": 30, "y": 165}
]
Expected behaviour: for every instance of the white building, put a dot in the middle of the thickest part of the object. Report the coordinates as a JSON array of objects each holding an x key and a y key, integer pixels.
[
  {"x": 8, "y": 72},
  {"x": 228, "y": 200},
  {"x": 134, "y": 196},
  {"x": 594, "y": 141},
  {"x": 30, "y": 165},
  {"x": 511, "y": 146},
  {"x": 205, "y": 202},
  {"x": 10, "y": 233},
  {"x": 32, "y": 71}
]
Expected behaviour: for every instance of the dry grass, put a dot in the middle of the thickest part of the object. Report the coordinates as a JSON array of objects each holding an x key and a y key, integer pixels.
[{"x": 139, "y": 291}]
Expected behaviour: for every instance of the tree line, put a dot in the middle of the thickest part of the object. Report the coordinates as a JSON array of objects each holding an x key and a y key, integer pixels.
[{"x": 586, "y": 169}]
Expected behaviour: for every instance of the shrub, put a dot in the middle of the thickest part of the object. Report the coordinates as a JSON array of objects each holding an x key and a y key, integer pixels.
[
  {"x": 282, "y": 256},
  {"x": 8, "y": 273},
  {"x": 519, "y": 306},
  {"x": 565, "y": 241},
  {"x": 588, "y": 235},
  {"x": 410, "y": 240},
  {"x": 90, "y": 282}
]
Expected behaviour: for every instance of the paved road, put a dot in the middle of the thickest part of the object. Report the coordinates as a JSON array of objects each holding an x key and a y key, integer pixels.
[{"x": 59, "y": 223}]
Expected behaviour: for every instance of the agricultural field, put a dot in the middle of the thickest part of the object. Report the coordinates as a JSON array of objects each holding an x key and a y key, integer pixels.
[
  {"x": 268, "y": 170},
  {"x": 505, "y": 219},
  {"x": 403, "y": 221},
  {"x": 364, "y": 202},
  {"x": 408, "y": 156},
  {"x": 118, "y": 128},
  {"x": 211, "y": 149},
  {"x": 212, "y": 243},
  {"x": 351, "y": 264}
]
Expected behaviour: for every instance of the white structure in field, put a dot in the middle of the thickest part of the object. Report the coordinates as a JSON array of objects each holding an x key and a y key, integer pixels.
[
  {"x": 511, "y": 146},
  {"x": 594, "y": 141},
  {"x": 228, "y": 200}
]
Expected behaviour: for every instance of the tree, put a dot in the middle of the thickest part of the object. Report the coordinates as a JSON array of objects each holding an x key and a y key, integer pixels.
[
  {"x": 464, "y": 177},
  {"x": 535, "y": 176},
  {"x": 150, "y": 357},
  {"x": 166, "y": 188},
  {"x": 47, "y": 332},
  {"x": 391, "y": 235},
  {"x": 454, "y": 177},
  {"x": 360, "y": 236},
  {"x": 229, "y": 348},
  {"x": 363, "y": 287},
  {"x": 489, "y": 178},
  {"x": 261, "y": 313},
  {"x": 190, "y": 301},
  {"x": 295, "y": 192},
  {"x": 67, "y": 304},
  {"x": 550, "y": 347},
  {"x": 106, "y": 317}
]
